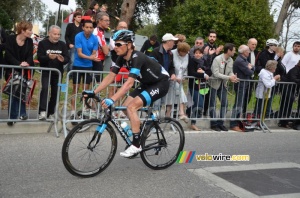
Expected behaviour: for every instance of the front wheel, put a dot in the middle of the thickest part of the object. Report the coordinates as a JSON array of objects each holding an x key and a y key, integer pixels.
[
  {"x": 162, "y": 145},
  {"x": 87, "y": 153}
]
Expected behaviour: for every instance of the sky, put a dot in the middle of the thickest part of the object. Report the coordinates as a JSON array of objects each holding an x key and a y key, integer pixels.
[{"x": 53, "y": 6}]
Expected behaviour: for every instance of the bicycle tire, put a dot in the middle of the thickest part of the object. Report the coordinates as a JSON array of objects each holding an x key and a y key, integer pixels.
[
  {"x": 81, "y": 161},
  {"x": 174, "y": 135}
]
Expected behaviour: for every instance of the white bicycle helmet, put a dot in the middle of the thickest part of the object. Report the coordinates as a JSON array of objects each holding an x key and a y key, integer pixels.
[{"x": 272, "y": 42}]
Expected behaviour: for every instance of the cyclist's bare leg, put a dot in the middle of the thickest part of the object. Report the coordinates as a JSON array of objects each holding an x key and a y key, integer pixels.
[{"x": 133, "y": 105}]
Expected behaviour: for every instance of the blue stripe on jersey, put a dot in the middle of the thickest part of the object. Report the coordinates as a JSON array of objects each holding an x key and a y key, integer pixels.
[
  {"x": 135, "y": 71},
  {"x": 147, "y": 97}
]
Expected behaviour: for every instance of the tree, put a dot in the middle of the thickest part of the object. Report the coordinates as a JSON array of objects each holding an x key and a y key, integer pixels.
[
  {"x": 284, "y": 13},
  {"x": 235, "y": 21},
  {"x": 24, "y": 10},
  {"x": 127, "y": 10},
  {"x": 5, "y": 21}
]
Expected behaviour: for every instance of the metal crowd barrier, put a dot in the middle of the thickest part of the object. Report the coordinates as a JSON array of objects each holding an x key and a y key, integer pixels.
[
  {"x": 32, "y": 108},
  {"x": 239, "y": 101}
]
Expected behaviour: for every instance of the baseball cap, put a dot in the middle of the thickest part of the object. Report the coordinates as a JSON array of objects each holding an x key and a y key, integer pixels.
[{"x": 168, "y": 37}]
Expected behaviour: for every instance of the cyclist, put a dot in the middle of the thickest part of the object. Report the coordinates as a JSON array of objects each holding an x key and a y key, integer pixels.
[{"x": 154, "y": 83}]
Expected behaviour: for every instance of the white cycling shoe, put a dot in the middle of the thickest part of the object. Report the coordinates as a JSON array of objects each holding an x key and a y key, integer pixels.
[{"x": 131, "y": 151}]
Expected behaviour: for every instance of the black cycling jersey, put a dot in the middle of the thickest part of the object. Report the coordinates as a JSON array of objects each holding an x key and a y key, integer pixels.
[{"x": 141, "y": 67}]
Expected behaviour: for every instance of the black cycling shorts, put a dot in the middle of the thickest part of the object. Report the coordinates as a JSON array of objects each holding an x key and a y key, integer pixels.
[
  {"x": 83, "y": 77},
  {"x": 151, "y": 93}
]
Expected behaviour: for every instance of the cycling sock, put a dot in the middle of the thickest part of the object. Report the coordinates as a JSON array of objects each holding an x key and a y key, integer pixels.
[{"x": 136, "y": 140}]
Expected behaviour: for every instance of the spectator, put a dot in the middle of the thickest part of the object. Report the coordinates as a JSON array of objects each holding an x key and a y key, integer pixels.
[
  {"x": 103, "y": 49},
  {"x": 266, "y": 81},
  {"x": 181, "y": 38},
  {"x": 93, "y": 9},
  {"x": 2, "y": 48},
  {"x": 267, "y": 54},
  {"x": 104, "y": 8},
  {"x": 92, "y": 12},
  {"x": 199, "y": 43},
  {"x": 149, "y": 45},
  {"x": 288, "y": 94},
  {"x": 280, "y": 69},
  {"x": 197, "y": 69},
  {"x": 70, "y": 18},
  {"x": 72, "y": 30},
  {"x": 221, "y": 72},
  {"x": 210, "y": 47},
  {"x": 52, "y": 53},
  {"x": 252, "y": 43},
  {"x": 86, "y": 45},
  {"x": 180, "y": 60},
  {"x": 292, "y": 58},
  {"x": 244, "y": 70},
  {"x": 19, "y": 51},
  {"x": 262, "y": 58},
  {"x": 164, "y": 56}
]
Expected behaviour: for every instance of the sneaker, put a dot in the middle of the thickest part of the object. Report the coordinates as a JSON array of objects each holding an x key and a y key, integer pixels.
[
  {"x": 11, "y": 123},
  {"x": 131, "y": 151},
  {"x": 42, "y": 115},
  {"x": 51, "y": 117},
  {"x": 223, "y": 128},
  {"x": 23, "y": 117},
  {"x": 215, "y": 128},
  {"x": 73, "y": 117}
]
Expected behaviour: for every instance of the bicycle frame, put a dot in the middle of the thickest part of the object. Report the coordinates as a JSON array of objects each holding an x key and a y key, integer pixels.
[{"x": 107, "y": 117}]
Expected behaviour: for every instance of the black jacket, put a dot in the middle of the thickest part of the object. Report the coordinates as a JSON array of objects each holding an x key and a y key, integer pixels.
[
  {"x": 71, "y": 32},
  {"x": 193, "y": 66},
  {"x": 158, "y": 54},
  {"x": 45, "y": 47},
  {"x": 262, "y": 59},
  {"x": 13, "y": 56},
  {"x": 147, "y": 47},
  {"x": 292, "y": 76}
]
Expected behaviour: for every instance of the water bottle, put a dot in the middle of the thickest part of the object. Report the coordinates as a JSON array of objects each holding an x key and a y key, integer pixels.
[{"x": 126, "y": 129}]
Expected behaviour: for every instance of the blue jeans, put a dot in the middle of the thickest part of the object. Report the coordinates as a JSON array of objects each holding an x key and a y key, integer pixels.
[
  {"x": 198, "y": 102},
  {"x": 222, "y": 95},
  {"x": 72, "y": 56},
  {"x": 239, "y": 103},
  {"x": 14, "y": 108}
]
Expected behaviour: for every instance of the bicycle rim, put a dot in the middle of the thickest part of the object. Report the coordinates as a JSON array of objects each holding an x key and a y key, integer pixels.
[
  {"x": 81, "y": 161},
  {"x": 159, "y": 155}
]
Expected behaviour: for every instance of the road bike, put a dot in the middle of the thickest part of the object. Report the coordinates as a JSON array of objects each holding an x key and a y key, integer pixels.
[{"x": 88, "y": 152}]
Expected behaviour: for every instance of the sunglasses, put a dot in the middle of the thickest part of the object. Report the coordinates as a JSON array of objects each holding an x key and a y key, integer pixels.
[{"x": 120, "y": 44}]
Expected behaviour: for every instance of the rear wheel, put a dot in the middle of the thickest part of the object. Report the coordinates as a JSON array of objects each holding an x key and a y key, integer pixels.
[
  {"x": 87, "y": 153},
  {"x": 162, "y": 145}
]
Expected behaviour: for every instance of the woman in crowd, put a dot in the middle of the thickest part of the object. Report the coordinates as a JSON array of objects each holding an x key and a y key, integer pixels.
[
  {"x": 266, "y": 81},
  {"x": 19, "y": 52},
  {"x": 180, "y": 60}
]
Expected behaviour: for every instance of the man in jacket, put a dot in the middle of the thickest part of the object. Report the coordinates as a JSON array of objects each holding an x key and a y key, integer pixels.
[
  {"x": 221, "y": 73},
  {"x": 244, "y": 70},
  {"x": 52, "y": 53},
  {"x": 164, "y": 56}
]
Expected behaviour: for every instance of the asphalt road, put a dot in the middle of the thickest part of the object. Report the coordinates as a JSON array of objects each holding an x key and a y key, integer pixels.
[{"x": 31, "y": 166}]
